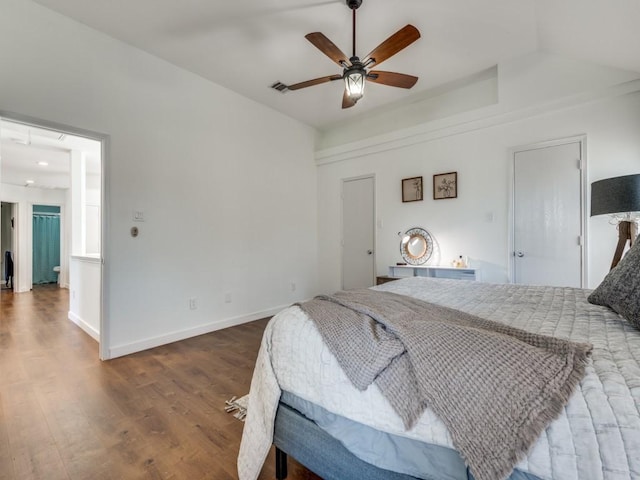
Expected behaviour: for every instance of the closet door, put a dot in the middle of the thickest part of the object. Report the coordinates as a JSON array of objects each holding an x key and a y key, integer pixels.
[
  {"x": 358, "y": 222},
  {"x": 548, "y": 213}
]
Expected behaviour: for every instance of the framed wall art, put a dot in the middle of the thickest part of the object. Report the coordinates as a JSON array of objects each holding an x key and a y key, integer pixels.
[
  {"x": 411, "y": 189},
  {"x": 445, "y": 185}
]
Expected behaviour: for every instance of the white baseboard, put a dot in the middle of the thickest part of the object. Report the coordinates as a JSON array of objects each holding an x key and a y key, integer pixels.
[
  {"x": 92, "y": 332},
  {"x": 129, "y": 348}
]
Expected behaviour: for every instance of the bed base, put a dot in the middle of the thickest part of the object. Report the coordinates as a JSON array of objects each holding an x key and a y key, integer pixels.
[
  {"x": 299, "y": 437},
  {"x": 302, "y": 439}
]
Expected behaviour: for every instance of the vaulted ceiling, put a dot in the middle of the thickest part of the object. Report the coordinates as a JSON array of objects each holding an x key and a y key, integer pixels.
[{"x": 247, "y": 45}]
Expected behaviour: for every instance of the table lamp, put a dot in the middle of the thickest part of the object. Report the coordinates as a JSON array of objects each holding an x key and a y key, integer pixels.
[{"x": 620, "y": 198}]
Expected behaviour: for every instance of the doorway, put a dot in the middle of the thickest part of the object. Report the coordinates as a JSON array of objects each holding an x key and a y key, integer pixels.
[
  {"x": 46, "y": 245},
  {"x": 548, "y": 238},
  {"x": 358, "y": 230},
  {"x": 51, "y": 164},
  {"x": 7, "y": 242}
]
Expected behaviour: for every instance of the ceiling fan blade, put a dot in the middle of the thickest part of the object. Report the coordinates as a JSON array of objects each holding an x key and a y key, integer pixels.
[
  {"x": 315, "y": 81},
  {"x": 392, "y": 79},
  {"x": 392, "y": 45},
  {"x": 347, "y": 101},
  {"x": 327, "y": 47}
]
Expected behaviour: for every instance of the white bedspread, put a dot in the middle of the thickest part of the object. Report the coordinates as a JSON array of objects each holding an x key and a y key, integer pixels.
[{"x": 597, "y": 436}]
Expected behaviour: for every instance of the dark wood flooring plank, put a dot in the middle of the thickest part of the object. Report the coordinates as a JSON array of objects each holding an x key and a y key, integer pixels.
[
  {"x": 33, "y": 448},
  {"x": 6, "y": 462}
]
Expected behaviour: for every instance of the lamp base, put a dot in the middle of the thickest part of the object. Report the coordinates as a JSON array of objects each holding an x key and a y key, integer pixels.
[{"x": 626, "y": 231}]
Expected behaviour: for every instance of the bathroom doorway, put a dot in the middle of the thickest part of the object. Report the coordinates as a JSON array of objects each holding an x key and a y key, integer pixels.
[{"x": 46, "y": 245}]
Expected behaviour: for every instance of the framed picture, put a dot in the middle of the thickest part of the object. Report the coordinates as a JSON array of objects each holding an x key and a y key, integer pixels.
[
  {"x": 445, "y": 185},
  {"x": 411, "y": 189}
]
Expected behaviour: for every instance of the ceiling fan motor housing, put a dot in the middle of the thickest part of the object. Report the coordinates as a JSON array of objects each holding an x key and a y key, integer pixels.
[
  {"x": 354, "y": 4},
  {"x": 355, "y": 64}
]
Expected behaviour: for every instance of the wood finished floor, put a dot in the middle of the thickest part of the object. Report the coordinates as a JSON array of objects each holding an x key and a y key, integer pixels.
[{"x": 158, "y": 414}]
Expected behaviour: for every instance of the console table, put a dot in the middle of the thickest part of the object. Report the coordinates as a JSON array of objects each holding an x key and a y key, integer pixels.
[{"x": 456, "y": 273}]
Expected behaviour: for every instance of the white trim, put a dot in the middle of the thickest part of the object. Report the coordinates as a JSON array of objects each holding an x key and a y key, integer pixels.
[
  {"x": 26, "y": 284},
  {"x": 89, "y": 330},
  {"x": 87, "y": 258},
  {"x": 105, "y": 248},
  {"x": 463, "y": 123},
  {"x": 582, "y": 141},
  {"x": 16, "y": 238},
  {"x": 129, "y": 348}
]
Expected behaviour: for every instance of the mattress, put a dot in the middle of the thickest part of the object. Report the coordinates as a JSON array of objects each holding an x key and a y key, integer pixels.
[{"x": 596, "y": 437}]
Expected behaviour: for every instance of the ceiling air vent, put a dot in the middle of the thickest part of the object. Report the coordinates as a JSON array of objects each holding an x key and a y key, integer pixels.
[{"x": 281, "y": 87}]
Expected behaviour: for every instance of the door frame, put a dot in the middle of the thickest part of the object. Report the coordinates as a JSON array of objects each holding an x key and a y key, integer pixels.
[
  {"x": 104, "y": 139},
  {"x": 582, "y": 140},
  {"x": 375, "y": 215}
]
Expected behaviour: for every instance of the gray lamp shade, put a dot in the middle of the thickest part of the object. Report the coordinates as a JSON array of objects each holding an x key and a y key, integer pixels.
[{"x": 616, "y": 195}]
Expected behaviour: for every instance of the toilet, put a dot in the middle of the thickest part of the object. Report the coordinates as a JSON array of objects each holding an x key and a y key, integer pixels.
[{"x": 57, "y": 270}]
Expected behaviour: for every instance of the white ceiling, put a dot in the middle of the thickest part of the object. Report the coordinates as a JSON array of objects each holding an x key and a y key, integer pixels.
[
  {"x": 24, "y": 149},
  {"x": 247, "y": 45}
]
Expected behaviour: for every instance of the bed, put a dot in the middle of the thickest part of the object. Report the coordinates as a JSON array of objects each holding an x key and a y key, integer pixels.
[{"x": 303, "y": 402}]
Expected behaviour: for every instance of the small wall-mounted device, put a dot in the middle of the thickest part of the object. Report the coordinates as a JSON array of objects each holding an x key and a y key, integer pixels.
[{"x": 134, "y": 232}]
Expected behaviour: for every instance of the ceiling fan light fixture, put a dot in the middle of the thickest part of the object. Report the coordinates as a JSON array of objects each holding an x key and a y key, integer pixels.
[{"x": 354, "y": 80}]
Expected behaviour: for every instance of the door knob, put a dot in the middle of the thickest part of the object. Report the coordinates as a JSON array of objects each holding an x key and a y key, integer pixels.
[
  {"x": 520, "y": 254},
  {"x": 369, "y": 252}
]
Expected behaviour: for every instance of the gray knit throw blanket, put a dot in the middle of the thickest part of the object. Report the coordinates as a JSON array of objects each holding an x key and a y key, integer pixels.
[{"x": 495, "y": 387}]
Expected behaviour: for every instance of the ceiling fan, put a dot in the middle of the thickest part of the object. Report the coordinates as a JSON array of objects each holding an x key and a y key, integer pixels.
[{"x": 355, "y": 71}]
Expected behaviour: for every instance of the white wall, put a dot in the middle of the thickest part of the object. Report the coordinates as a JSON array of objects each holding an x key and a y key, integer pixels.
[
  {"x": 25, "y": 198},
  {"x": 476, "y": 223},
  {"x": 84, "y": 295},
  {"x": 227, "y": 186},
  {"x": 92, "y": 221}
]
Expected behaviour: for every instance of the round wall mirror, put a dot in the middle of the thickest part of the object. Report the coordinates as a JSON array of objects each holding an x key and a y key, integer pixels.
[{"x": 416, "y": 246}]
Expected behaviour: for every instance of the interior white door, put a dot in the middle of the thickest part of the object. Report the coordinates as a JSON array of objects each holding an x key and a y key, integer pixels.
[
  {"x": 358, "y": 256},
  {"x": 548, "y": 212}
]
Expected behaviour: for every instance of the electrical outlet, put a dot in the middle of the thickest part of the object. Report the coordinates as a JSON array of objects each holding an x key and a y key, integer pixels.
[
  {"x": 193, "y": 304},
  {"x": 227, "y": 298}
]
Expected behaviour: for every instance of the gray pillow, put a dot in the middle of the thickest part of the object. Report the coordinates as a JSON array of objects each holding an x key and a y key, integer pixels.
[{"x": 620, "y": 289}]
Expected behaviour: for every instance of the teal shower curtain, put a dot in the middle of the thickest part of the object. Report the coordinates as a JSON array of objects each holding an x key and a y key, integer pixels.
[{"x": 46, "y": 247}]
